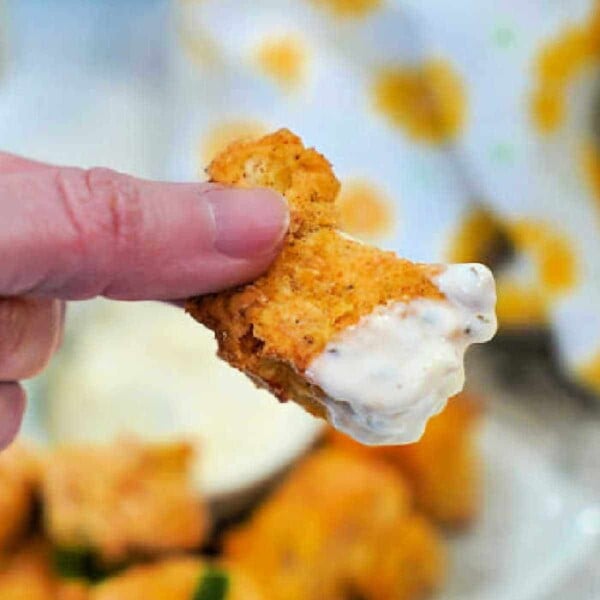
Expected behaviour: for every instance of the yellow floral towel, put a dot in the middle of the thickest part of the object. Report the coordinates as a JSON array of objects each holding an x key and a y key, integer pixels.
[{"x": 460, "y": 130}]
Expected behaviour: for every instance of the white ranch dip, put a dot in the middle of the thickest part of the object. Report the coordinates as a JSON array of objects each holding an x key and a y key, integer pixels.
[{"x": 393, "y": 370}]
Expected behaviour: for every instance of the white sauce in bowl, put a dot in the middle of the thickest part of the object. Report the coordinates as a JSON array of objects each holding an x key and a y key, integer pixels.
[
  {"x": 393, "y": 370},
  {"x": 145, "y": 369}
]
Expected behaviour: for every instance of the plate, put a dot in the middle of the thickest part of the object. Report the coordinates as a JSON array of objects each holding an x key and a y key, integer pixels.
[{"x": 535, "y": 527}]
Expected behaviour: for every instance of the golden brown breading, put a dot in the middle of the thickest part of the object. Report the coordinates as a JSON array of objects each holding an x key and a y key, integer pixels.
[
  {"x": 19, "y": 473},
  {"x": 280, "y": 161},
  {"x": 411, "y": 569},
  {"x": 126, "y": 499},
  {"x": 321, "y": 283},
  {"x": 172, "y": 579},
  {"x": 443, "y": 468},
  {"x": 26, "y": 574},
  {"x": 339, "y": 525}
]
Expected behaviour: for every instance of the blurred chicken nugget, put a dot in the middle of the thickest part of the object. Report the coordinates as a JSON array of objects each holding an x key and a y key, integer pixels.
[
  {"x": 340, "y": 526},
  {"x": 332, "y": 315},
  {"x": 181, "y": 578},
  {"x": 443, "y": 468},
  {"x": 121, "y": 500}
]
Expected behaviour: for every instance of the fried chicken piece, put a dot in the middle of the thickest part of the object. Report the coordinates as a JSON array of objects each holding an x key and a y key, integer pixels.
[
  {"x": 341, "y": 526},
  {"x": 322, "y": 286},
  {"x": 27, "y": 574},
  {"x": 412, "y": 569},
  {"x": 280, "y": 161},
  {"x": 176, "y": 579},
  {"x": 443, "y": 468},
  {"x": 122, "y": 500},
  {"x": 19, "y": 473},
  {"x": 321, "y": 283}
]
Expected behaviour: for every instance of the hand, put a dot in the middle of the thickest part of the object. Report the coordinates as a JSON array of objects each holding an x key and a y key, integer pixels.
[{"x": 71, "y": 234}]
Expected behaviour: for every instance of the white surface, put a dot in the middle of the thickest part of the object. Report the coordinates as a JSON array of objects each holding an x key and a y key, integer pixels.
[
  {"x": 397, "y": 367},
  {"x": 534, "y": 530}
]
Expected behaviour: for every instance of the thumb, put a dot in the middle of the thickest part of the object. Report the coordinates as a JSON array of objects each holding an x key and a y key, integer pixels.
[{"x": 74, "y": 234}]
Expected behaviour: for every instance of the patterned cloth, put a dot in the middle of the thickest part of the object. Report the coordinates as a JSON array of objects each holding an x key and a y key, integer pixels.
[{"x": 460, "y": 131}]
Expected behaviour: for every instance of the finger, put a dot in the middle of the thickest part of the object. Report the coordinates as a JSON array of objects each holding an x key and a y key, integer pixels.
[
  {"x": 30, "y": 331},
  {"x": 10, "y": 163},
  {"x": 12, "y": 407},
  {"x": 76, "y": 234}
]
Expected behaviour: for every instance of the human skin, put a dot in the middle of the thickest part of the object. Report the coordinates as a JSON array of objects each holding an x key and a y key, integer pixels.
[{"x": 72, "y": 234}]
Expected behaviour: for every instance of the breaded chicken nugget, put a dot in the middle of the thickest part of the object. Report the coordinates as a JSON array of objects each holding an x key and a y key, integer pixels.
[
  {"x": 120, "y": 500},
  {"x": 368, "y": 340},
  {"x": 411, "y": 570},
  {"x": 339, "y": 527},
  {"x": 19, "y": 475},
  {"x": 443, "y": 468},
  {"x": 183, "y": 578},
  {"x": 26, "y": 574}
]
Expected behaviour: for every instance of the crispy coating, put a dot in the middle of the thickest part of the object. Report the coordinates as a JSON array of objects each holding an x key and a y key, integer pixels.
[
  {"x": 280, "y": 161},
  {"x": 412, "y": 569},
  {"x": 321, "y": 283},
  {"x": 26, "y": 574},
  {"x": 19, "y": 476},
  {"x": 121, "y": 500},
  {"x": 340, "y": 526},
  {"x": 172, "y": 579},
  {"x": 443, "y": 468}
]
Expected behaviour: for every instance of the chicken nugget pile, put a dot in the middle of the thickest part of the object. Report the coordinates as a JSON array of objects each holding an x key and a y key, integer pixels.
[{"x": 124, "y": 522}]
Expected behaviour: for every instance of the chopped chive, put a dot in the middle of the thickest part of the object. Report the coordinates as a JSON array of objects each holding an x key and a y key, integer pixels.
[
  {"x": 214, "y": 585},
  {"x": 72, "y": 563},
  {"x": 81, "y": 563}
]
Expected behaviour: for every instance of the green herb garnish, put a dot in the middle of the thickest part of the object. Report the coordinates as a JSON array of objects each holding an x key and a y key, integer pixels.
[
  {"x": 214, "y": 585},
  {"x": 78, "y": 562},
  {"x": 72, "y": 563}
]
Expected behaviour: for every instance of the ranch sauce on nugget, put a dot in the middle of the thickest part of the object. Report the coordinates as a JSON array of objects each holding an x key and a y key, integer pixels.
[{"x": 386, "y": 375}]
